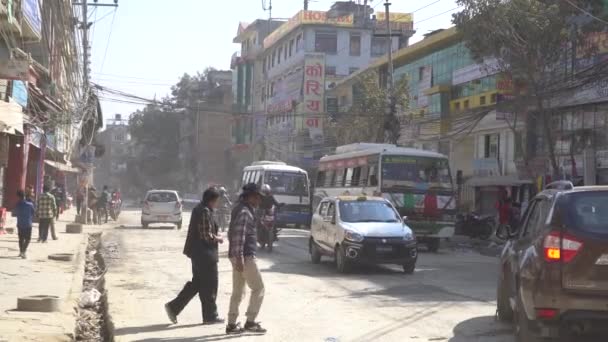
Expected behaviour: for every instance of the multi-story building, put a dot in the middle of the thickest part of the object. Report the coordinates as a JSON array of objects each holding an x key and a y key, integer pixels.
[
  {"x": 455, "y": 109},
  {"x": 111, "y": 167},
  {"x": 308, "y": 55},
  {"x": 38, "y": 94}
]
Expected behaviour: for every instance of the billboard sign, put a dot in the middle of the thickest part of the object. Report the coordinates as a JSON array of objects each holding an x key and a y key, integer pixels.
[
  {"x": 475, "y": 71},
  {"x": 399, "y": 21},
  {"x": 314, "y": 95},
  {"x": 307, "y": 18}
]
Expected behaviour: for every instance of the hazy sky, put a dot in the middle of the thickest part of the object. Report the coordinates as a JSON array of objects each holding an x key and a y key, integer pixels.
[{"x": 151, "y": 43}]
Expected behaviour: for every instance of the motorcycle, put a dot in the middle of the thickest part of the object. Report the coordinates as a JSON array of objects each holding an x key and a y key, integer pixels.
[
  {"x": 474, "y": 225},
  {"x": 266, "y": 233}
]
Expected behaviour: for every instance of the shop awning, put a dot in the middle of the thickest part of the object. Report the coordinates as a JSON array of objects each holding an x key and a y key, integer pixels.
[
  {"x": 497, "y": 181},
  {"x": 61, "y": 166}
]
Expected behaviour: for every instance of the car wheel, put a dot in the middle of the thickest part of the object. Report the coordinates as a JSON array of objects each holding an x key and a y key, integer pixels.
[
  {"x": 342, "y": 264},
  {"x": 433, "y": 244},
  {"x": 524, "y": 327},
  {"x": 503, "y": 305},
  {"x": 408, "y": 268},
  {"x": 315, "y": 255}
]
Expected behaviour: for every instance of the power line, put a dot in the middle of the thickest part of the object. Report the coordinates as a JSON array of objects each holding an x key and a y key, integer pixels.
[
  {"x": 436, "y": 15},
  {"x": 425, "y": 6},
  {"x": 586, "y": 12},
  {"x": 105, "y": 54}
]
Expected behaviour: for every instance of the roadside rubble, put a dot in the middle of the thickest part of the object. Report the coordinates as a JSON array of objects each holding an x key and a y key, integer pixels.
[
  {"x": 92, "y": 323},
  {"x": 491, "y": 247}
]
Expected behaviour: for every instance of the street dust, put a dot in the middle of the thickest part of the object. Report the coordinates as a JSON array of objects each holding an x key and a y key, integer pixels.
[{"x": 93, "y": 323}]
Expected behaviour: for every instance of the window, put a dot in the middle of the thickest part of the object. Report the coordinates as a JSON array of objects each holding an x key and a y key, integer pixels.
[
  {"x": 379, "y": 47},
  {"x": 285, "y": 52},
  {"x": 330, "y": 178},
  {"x": 355, "y": 44},
  {"x": 330, "y": 71},
  {"x": 274, "y": 57},
  {"x": 323, "y": 209},
  {"x": 291, "y": 43},
  {"x": 537, "y": 216},
  {"x": 466, "y": 104},
  {"x": 299, "y": 42},
  {"x": 348, "y": 177},
  {"x": 491, "y": 146},
  {"x": 331, "y": 211},
  {"x": 373, "y": 175},
  {"x": 280, "y": 53},
  {"x": 320, "y": 178},
  {"x": 493, "y": 98},
  {"x": 326, "y": 42},
  {"x": 356, "y": 176},
  {"x": 352, "y": 70},
  {"x": 482, "y": 100}
]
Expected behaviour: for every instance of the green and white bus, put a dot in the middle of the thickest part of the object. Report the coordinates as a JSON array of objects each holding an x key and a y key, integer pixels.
[{"x": 417, "y": 182}]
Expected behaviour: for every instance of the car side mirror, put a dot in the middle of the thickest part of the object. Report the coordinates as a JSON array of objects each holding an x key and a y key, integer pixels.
[{"x": 404, "y": 218}]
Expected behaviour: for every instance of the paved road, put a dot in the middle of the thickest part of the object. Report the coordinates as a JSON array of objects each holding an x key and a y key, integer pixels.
[{"x": 449, "y": 298}]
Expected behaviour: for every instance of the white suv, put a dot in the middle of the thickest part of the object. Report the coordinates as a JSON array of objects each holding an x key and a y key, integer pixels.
[{"x": 162, "y": 206}]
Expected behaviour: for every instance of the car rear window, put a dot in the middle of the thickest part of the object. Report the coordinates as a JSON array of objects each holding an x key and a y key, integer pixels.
[
  {"x": 587, "y": 211},
  {"x": 162, "y": 197}
]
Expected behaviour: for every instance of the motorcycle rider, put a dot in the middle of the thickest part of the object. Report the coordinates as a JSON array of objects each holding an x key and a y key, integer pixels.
[{"x": 268, "y": 201}]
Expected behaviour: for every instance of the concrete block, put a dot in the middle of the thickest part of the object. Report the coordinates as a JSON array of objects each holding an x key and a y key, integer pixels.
[
  {"x": 73, "y": 228},
  {"x": 40, "y": 303}
]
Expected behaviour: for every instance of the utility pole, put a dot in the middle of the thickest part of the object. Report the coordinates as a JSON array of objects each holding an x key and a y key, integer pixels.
[
  {"x": 392, "y": 99},
  {"x": 306, "y": 5},
  {"x": 85, "y": 25}
]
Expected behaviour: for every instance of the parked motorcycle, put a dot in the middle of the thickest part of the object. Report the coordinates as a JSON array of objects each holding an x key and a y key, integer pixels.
[
  {"x": 474, "y": 225},
  {"x": 266, "y": 233}
]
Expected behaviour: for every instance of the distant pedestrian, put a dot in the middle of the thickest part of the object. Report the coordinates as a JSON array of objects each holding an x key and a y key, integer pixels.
[
  {"x": 24, "y": 211},
  {"x": 45, "y": 211},
  {"x": 202, "y": 248},
  {"x": 242, "y": 238},
  {"x": 80, "y": 200},
  {"x": 102, "y": 204}
]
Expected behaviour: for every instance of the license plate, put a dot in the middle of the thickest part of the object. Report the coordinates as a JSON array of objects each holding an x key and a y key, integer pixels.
[
  {"x": 603, "y": 260},
  {"x": 384, "y": 249},
  {"x": 163, "y": 218}
]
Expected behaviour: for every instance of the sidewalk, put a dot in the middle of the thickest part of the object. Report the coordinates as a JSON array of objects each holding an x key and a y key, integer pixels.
[{"x": 38, "y": 275}]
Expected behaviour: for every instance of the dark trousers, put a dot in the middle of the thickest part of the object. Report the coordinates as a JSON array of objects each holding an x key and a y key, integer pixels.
[
  {"x": 78, "y": 206},
  {"x": 25, "y": 235},
  {"x": 43, "y": 228},
  {"x": 205, "y": 283}
]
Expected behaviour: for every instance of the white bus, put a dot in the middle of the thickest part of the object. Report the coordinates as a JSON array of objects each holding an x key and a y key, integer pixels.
[
  {"x": 289, "y": 184},
  {"x": 417, "y": 182}
]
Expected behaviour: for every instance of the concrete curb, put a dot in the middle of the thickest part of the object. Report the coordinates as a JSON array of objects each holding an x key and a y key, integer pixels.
[
  {"x": 61, "y": 257},
  {"x": 73, "y": 228},
  {"x": 71, "y": 300},
  {"x": 40, "y": 303}
]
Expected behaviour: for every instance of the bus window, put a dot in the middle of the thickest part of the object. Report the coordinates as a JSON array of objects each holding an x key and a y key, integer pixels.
[
  {"x": 320, "y": 178},
  {"x": 255, "y": 176},
  {"x": 331, "y": 178},
  {"x": 373, "y": 175},
  {"x": 244, "y": 180},
  {"x": 356, "y": 176},
  {"x": 259, "y": 177},
  {"x": 348, "y": 177}
]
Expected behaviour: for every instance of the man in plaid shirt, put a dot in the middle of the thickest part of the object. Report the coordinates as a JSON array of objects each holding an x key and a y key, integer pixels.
[
  {"x": 45, "y": 211},
  {"x": 242, "y": 238}
]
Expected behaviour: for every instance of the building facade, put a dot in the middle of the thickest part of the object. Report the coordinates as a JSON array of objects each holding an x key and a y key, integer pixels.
[{"x": 110, "y": 169}]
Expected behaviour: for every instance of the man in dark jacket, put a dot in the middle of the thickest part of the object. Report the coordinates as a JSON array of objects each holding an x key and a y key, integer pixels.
[{"x": 202, "y": 248}]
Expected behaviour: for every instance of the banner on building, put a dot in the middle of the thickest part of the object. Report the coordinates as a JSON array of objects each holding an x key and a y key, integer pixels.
[
  {"x": 31, "y": 13},
  {"x": 20, "y": 93},
  {"x": 476, "y": 71},
  {"x": 486, "y": 167},
  {"x": 286, "y": 91},
  {"x": 314, "y": 95},
  {"x": 426, "y": 82}
]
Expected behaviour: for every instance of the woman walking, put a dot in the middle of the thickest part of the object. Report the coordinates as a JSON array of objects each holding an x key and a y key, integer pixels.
[{"x": 202, "y": 249}]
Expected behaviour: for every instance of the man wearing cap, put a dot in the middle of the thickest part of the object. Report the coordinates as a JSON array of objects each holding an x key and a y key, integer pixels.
[{"x": 242, "y": 239}]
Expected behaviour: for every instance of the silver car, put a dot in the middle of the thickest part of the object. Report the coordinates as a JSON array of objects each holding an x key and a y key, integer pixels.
[{"x": 361, "y": 230}]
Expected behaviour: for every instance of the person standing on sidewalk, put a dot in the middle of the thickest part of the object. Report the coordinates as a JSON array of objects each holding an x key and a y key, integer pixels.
[
  {"x": 242, "y": 238},
  {"x": 24, "y": 211},
  {"x": 202, "y": 248},
  {"x": 45, "y": 211}
]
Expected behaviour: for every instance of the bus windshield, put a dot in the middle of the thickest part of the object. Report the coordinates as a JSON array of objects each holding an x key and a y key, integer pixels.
[
  {"x": 411, "y": 171},
  {"x": 287, "y": 183}
]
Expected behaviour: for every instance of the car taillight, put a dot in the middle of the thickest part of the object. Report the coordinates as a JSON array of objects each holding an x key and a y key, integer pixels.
[
  {"x": 561, "y": 247},
  {"x": 546, "y": 313}
]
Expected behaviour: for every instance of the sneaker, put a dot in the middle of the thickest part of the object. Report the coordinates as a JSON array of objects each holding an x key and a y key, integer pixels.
[
  {"x": 20, "y": 255},
  {"x": 216, "y": 320},
  {"x": 234, "y": 328},
  {"x": 170, "y": 314},
  {"x": 23, "y": 256},
  {"x": 254, "y": 327}
]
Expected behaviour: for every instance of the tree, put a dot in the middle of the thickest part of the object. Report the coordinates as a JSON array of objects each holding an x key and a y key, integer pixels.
[
  {"x": 369, "y": 119},
  {"x": 532, "y": 41}
]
